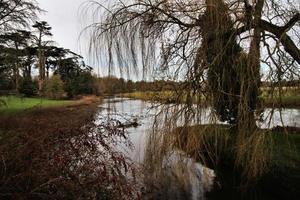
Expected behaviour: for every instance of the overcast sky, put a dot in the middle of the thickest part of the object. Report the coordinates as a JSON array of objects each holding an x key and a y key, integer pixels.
[
  {"x": 64, "y": 18},
  {"x": 62, "y": 15},
  {"x": 67, "y": 23}
]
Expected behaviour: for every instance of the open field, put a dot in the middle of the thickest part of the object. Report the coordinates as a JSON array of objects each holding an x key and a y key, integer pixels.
[
  {"x": 284, "y": 101},
  {"x": 162, "y": 96},
  {"x": 290, "y": 97}
]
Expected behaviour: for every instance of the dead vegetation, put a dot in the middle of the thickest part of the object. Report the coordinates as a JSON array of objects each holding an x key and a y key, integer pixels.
[{"x": 59, "y": 153}]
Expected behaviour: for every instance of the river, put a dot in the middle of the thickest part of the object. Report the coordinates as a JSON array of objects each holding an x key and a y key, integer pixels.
[{"x": 201, "y": 179}]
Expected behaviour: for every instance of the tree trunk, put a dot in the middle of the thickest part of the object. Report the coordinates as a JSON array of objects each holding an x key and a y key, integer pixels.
[
  {"x": 16, "y": 69},
  {"x": 251, "y": 79},
  {"x": 17, "y": 82},
  {"x": 41, "y": 67},
  {"x": 28, "y": 71},
  {"x": 47, "y": 65}
]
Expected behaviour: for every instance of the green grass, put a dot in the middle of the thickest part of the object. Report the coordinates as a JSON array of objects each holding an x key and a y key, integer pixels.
[{"x": 15, "y": 104}]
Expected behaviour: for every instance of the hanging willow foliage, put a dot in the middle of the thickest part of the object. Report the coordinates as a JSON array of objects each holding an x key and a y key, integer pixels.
[
  {"x": 224, "y": 58},
  {"x": 213, "y": 47}
]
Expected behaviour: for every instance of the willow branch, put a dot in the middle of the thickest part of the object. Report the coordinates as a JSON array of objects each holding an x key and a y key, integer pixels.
[{"x": 281, "y": 33}]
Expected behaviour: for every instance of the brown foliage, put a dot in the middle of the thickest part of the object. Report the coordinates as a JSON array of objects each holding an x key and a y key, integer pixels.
[{"x": 61, "y": 154}]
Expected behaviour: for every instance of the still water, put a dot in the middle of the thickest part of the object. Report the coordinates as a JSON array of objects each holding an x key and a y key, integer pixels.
[{"x": 201, "y": 179}]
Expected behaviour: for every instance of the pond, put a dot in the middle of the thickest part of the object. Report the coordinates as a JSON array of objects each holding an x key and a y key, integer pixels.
[{"x": 129, "y": 111}]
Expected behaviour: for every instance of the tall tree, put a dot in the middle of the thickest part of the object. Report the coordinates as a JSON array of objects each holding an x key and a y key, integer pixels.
[
  {"x": 43, "y": 30},
  {"x": 6, "y": 69},
  {"x": 75, "y": 74},
  {"x": 17, "y": 41},
  {"x": 54, "y": 56},
  {"x": 30, "y": 52}
]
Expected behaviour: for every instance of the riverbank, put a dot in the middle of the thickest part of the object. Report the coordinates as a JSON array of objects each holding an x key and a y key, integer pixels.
[
  {"x": 44, "y": 120},
  {"x": 37, "y": 149},
  {"x": 14, "y": 105},
  {"x": 286, "y": 101},
  {"x": 20, "y": 116},
  {"x": 60, "y": 153}
]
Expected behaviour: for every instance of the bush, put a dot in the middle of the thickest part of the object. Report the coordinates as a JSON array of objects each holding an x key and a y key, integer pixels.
[
  {"x": 83, "y": 83},
  {"x": 57, "y": 157},
  {"x": 54, "y": 88},
  {"x": 28, "y": 87}
]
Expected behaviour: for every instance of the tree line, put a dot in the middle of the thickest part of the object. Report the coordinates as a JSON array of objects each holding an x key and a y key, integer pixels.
[
  {"x": 112, "y": 85},
  {"x": 26, "y": 47}
]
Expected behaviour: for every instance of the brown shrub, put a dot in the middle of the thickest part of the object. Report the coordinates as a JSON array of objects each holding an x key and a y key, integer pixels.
[{"x": 61, "y": 154}]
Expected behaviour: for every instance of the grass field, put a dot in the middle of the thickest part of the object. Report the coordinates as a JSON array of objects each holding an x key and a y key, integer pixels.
[
  {"x": 15, "y": 104},
  {"x": 162, "y": 96},
  {"x": 289, "y": 98}
]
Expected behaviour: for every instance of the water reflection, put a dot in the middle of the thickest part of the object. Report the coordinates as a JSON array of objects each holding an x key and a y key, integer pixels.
[
  {"x": 199, "y": 178},
  {"x": 127, "y": 110}
]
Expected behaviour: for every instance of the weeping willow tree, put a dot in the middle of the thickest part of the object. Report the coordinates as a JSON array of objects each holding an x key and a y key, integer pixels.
[{"x": 214, "y": 47}]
